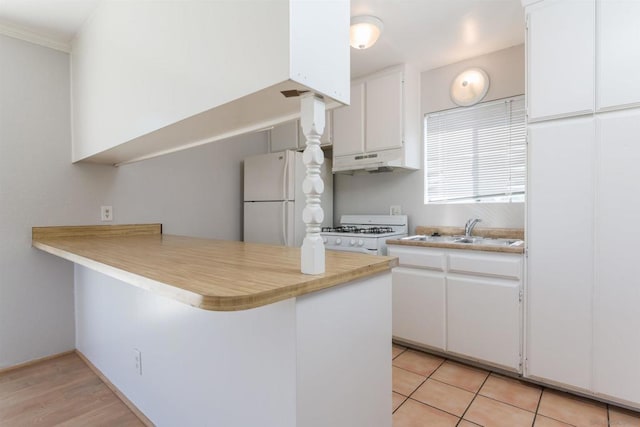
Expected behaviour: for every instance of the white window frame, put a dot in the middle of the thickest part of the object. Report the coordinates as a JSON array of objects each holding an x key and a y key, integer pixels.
[{"x": 514, "y": 172}]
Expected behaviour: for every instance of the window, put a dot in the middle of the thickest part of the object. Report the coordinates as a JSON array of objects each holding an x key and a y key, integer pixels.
[{"x": 476, "y": 154}]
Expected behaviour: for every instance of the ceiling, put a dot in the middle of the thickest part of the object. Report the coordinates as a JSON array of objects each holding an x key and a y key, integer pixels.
[{"x": 426, "y": 33}]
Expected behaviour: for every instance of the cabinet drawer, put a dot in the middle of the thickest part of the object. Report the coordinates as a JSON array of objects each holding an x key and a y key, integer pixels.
[
  {"x": 503, "y": 265},
  {"x": 432, "y": 259}
]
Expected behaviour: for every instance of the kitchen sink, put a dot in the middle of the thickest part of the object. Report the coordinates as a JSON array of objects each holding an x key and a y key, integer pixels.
[
  {"x": 465, "y": 240},
  {"x": 434, "y": 239}
]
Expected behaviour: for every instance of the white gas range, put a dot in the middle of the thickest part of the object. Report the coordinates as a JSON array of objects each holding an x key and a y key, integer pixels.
[{"x": 365, "y": 233}]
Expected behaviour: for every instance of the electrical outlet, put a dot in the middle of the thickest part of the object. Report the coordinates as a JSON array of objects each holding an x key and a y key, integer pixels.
[
  {"x": 137, "y": 356},
  {"x": 106, "y": 213},
  {"x": 395, "y": 210}
]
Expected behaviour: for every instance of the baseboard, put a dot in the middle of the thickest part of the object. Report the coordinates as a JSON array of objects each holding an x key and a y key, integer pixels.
[
  {"x": 34, "y": 362},
  {"x": 138, "y": 413}
]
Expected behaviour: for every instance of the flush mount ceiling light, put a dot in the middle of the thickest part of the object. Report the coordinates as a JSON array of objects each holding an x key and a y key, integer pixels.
[
  {"x": 469, "y": 87},
  {"x": 365, "y": 31}
]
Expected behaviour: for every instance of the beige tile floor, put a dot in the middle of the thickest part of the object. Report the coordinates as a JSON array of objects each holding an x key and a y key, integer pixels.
[{"x": 432, "y": 391}]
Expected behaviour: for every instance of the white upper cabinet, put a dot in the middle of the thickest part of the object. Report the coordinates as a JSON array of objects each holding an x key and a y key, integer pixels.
[
  {"x": 560, "y": 223},
  {"x": 381, "y": 127},
  {"x": 284, "y": 136},
  {"x": 560, "y": 59},
  {"x": 289, "y": 135},
  {"x": 618, "y": 58},
  {"x": 348, "y": 122},
  {"x": 384, "y": 127},
  {"x": 151, "y": 77}
]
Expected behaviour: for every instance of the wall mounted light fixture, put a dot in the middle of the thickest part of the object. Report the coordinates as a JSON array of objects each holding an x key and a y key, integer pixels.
[
  {"x": 469, "y": 87},
  {"x": 365, "y": 31}
]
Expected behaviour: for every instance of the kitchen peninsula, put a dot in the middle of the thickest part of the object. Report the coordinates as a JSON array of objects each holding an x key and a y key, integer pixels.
[{"x": 197, "y": 331}]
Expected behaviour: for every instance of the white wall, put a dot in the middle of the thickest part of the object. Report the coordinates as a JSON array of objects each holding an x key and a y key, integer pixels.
[
  {"x": 373, "y": 193},
  {"x": 196, "y": 192},
  {"x": 38, "y": 186}
]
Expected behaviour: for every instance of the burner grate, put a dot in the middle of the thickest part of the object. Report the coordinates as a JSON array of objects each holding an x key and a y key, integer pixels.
[{"x": 360, "y": 230}]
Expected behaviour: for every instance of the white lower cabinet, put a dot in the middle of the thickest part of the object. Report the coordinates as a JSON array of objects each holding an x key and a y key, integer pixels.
[
  {"x": 419, "y": 306},
  {"x": 464, "y": 302},
  {"x": 483, "y": 319}
]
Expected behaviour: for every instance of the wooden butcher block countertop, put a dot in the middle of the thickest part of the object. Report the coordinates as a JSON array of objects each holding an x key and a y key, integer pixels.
[{"x": 209, "y": 274}]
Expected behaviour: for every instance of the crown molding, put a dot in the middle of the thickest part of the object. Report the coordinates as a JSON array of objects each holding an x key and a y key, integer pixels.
[{"x": 31, "y": 37}]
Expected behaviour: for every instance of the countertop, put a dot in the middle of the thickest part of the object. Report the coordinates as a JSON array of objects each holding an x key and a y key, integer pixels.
[
  {"x": 209, "y": 274},
  {"x": 507, "y": 233}
]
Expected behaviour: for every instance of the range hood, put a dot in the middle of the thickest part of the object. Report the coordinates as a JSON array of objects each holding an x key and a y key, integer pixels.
[{"x": 374, "y": 162}]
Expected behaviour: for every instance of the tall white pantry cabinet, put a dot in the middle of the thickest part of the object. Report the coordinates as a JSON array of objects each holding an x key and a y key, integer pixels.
[{"x": 583, "y": 207}]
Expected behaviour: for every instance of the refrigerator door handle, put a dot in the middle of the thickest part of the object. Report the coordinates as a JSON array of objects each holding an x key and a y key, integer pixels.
[
  {"x": 284, "y": 223},
  {"x": 285, "y": 175},
  {"x": 285, "y": 196}
]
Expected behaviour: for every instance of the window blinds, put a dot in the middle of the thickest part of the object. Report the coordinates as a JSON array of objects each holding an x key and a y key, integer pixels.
[{"x": 476, "y": 153}]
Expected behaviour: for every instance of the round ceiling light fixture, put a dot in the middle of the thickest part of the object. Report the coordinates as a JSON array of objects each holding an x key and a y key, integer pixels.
[
  {"x": 364, "y": 32},
  {"x": 469, "y": 87}
]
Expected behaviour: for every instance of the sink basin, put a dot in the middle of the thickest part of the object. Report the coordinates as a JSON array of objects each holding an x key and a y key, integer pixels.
[
  {"x": 467, "y": 240},
  {"x": 501, "y": 242},
  {"x": 464, "y": 240},
  {"x": 435, "y": 239}
]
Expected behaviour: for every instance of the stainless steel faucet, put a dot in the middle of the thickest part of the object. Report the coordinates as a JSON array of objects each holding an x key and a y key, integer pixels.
[{"x": 468, "y": 227}]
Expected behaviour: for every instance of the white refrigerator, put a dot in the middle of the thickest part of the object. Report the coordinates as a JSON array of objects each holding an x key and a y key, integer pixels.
[{"x": 274, "y": 200}]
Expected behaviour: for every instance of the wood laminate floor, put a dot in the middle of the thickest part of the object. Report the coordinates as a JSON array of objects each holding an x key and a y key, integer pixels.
[{"x": 60, "y": 392}]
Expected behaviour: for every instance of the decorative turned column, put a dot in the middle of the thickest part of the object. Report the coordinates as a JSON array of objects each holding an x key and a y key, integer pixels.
[{"x": 312, "y": 116}]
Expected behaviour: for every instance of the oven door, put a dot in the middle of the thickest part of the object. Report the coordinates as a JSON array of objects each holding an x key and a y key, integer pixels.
[{"x": 352, "y": 249}]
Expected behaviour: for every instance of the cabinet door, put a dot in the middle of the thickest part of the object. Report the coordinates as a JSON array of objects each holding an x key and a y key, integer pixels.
[
  {"x": 484, "y": 320},
  {"x": 618, "y": 61},
  {"x": 348, "y": 124},
  {"x": 418, "y": 306},
  {"x": 560, "y": 58},
  {"x": 384, "y": 112},
  {"x": 617, "y": 289},
  {"x": 327, "y": 136},
  {"x": 560, "y": 200},
  {"x": 284, "y": 136}
]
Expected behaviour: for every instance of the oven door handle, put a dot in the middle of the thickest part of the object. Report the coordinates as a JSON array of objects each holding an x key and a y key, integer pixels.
[{"x": 351, "y": 249}]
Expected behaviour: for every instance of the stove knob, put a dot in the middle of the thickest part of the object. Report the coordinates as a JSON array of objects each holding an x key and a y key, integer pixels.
[
  {"x": 352, "y": 242},
  {"x": 360, "y": 242},
  {"x": 338, "y": 241},
  {"x": 325, "y": 240}
]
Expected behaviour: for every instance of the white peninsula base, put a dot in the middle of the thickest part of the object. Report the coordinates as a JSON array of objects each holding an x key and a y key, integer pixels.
[{"x": 322, "y": 359}]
